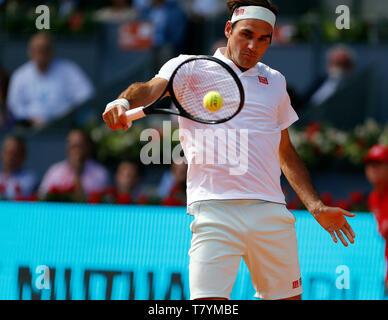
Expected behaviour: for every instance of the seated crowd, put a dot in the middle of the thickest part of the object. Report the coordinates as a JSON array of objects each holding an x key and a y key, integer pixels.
[{"x": 79, "y": 178}]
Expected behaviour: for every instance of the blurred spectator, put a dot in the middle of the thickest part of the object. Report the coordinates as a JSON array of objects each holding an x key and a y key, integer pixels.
[
  {"x": 295, "y": 98},
  {"x": 128, "y": 183},
  {"x": 45, "y": 88},
  {"x": 141, "y": 5},
  {"x": 172, "y": 188},
  {"x": 205, "y": 9},
  {"x": 339, "y": 67},
  {"x": 78, "y": 174},
  {"x": 12, "y": 6},
  {"x": 221, "y": 43},
  {"x": 169, "y": 22},
  {"x": 376, "y": 169},
  {"x": 66, "y": 7},
  {"x": 16, "y": 183},
  {"x": 4, "y": 80},
  {"x": 120, "y": 11}
]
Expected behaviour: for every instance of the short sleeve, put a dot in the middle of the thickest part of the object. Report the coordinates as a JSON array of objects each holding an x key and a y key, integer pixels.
[
  {"x": 17, "y": 103},
  {"x": 48, "y": 180},
  {"x": 286, "y": 113},
  {"x": 168, "y": 68}
]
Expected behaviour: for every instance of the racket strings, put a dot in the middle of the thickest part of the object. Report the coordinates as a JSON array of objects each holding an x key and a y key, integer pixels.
[{"x": 197, "y": 78}]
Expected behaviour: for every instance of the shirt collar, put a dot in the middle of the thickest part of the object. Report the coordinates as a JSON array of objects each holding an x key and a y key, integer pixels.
[
  {"x": 49, "y": 68},
  {"x": 252, "y": 72}
]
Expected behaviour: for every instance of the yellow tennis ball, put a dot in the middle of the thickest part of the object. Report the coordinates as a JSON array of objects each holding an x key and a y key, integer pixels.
[{"x": 213, "y": 101}]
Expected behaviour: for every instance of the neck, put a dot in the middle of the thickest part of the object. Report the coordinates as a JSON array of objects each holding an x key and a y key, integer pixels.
[
  {"x": 43, "y": 68},
  {"x": 226, "y": 52}
]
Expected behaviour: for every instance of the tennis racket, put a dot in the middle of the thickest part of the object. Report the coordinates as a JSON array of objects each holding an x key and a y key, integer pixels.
[{"x": 190, "y": 82}]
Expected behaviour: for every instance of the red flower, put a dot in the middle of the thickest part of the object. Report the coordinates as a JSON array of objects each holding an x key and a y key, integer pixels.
[
  {"x": 19, "y": 198},
  {"x": 123, "y": 198},
  {"x": 312, "y": 129},
  {"x": 110, "y": 191},
  {"x": 32, "y": 198},
  {"x": 343, "y": 204},
  {"x": 292, "y": 206},
  {"x": 54, "y": 190},
  {"x": 172, "y": 202},
  {"x": 327, "y": 198},
  {"x": 143, "y": 199},
  {"x": 76, "y": 21},
  {"x": 177, "y": 196},
  {"x": 70, "y": 189},
  {"x": 177, "y": 188},
  {"x": 356, "y": 197},
  {"x": 65, "y": 190},
  {"x": 295, "y": 204},
  {"x": 18, "y": 189},
  {"x": 94, "y": 198}
]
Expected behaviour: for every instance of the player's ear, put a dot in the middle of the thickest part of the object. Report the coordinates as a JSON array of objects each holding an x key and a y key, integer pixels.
[{"x": 228, "y": 29}]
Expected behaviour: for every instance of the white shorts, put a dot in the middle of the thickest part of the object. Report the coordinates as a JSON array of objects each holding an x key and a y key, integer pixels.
[{"x": 262, "y": 233}]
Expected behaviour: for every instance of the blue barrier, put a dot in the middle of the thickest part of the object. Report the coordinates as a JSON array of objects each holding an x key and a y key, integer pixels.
[{"x": 141, "y": 252}]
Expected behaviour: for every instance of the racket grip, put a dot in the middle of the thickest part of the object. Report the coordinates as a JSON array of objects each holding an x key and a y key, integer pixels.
[{"x": 135, "y": 114}]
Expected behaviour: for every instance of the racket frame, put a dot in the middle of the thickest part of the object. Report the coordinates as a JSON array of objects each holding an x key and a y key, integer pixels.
[{"x": 150, "y": 109}]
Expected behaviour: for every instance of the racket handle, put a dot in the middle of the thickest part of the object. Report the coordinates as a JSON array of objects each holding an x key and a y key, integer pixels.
[{"x": 135, "y": 114}]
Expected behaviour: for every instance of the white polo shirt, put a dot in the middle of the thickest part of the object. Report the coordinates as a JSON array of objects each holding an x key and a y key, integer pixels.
[
  {"x": 251, "y": 169},
  {"x": 46, "y": 97}
]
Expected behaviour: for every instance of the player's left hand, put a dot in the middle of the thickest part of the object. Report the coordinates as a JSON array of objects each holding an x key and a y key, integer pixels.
[{"x": 333, "y": 220}]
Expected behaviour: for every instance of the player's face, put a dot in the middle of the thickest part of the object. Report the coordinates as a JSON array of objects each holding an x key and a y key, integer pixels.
[
  {"x": 248, "y": 42},
  {"x": 377, "y": 173}
]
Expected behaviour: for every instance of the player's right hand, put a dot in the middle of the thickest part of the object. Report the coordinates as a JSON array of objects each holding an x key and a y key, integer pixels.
[{"x": 115, "y": 118}]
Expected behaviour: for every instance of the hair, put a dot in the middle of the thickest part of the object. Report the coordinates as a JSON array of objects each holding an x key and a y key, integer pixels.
[
  {"x": 82, "y": 132},
  {"x": 44, "y": 35},
  {"x": 342, "y": 48},
  {"x": 235, "y": 4},
  {"x": 19, "y": 140},
  {"x": 137, "y": 164},
  {"x": 88, "y": 140}
]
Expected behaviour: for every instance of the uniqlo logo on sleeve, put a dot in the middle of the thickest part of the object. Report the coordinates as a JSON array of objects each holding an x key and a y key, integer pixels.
[{"x": 263, "y": 80}]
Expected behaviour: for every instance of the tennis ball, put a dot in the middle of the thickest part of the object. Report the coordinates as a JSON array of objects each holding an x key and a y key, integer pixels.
[{"x": 213, "y": 101}]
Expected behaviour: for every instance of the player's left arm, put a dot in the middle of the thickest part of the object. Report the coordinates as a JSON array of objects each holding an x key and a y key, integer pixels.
[{"x": 332, "y": 219}]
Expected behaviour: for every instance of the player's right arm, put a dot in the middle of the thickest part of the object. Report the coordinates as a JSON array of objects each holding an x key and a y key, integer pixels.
[{"x": 138, "y": 94}]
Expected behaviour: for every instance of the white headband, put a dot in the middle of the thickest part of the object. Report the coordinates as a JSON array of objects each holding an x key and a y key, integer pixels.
[{"x": 254, "y": 12}]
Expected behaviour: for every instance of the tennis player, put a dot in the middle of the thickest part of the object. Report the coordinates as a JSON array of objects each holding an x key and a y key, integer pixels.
[{"x": 244, "y": 215}]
